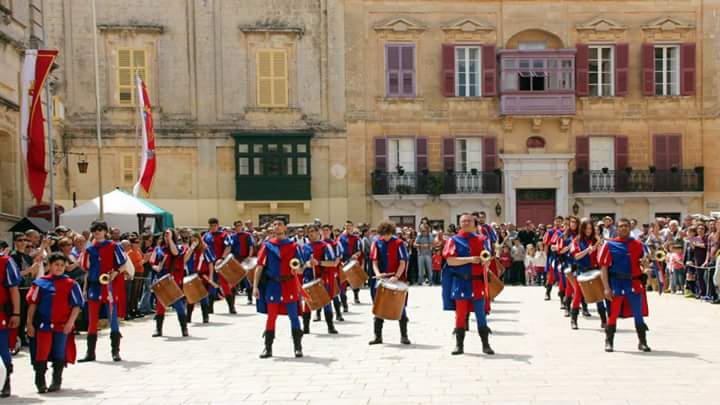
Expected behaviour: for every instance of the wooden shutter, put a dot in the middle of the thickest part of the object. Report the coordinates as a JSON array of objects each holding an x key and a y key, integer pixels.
[
  {"x": 489, "y": 153},
  {"x": 660, "y": 152},
  {"x": 674, "y": 143},
  {"x": 582, "y": 153},
  {"x": 622, "y": 153},
  {"x": 407, "y": 66},
  {"x": 129, "y": 171},
  {"x": 264, "y": 78},
  {"x": 489, "y": 71},
  {"x": 272, "y": 78},
  {"x": 648, "y": 69},
  {"x": 125, "y": 77},
  {"x": 448, "y": 70},
  {"x": 622, "y": 59},
  {"x": 581, "y": 69},
  {"x": 392, "y": 70},
  {"x": 381, "y": 153},
  {"x": 280, "y": 85},
  {"x": 687, "y": 69},
  {"x": 421, "y": 154},
  {"x": 448, "y": 151}
]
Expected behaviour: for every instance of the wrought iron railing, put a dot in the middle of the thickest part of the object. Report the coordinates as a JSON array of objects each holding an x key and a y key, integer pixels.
[
  {"x": 436, "y": 183},
  {"x": 632, "y": 181}
]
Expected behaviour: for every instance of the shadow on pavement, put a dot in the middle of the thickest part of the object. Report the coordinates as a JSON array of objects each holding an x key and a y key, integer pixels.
[
  {"x": 126, "y": 364},
  {"x": 22, "y": 400},
  {"x": 339, "y": 335},
  {"x": 668, "y": 353},
  {"x": 416, "y": 346},
  {"x": 508, "y": 333},
  {"x": 207, "y": 325},
  {"x": 505, "y": 311},
  {"x": 323, "y": 361},
  {"x": 182, "y": 338},
  {"x": 69, "y": 392},
  {"x": 492, "y": 319},
  {"x": 522, "y": 358}
]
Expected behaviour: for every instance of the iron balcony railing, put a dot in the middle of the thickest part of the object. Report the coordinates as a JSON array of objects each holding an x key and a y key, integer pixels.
[
  {"x": 436, "y": 183},
  {"x": 635, "y": 181}
]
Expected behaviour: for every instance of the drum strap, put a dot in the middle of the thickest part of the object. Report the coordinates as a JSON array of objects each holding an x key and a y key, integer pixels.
[
  {"x": 281, "y": 278},
  {"x": 624, "y": 276}
]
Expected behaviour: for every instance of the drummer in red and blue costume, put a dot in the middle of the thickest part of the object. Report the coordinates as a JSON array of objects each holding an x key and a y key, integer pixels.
[
  {"x": 566, "y": 261},
  {"x": 624, "y": 282},
  {"x": 199, "y": 260},
  {"x": 219, "y": 245},
  {"x": 172, "y": 262},
  {"x": 351, "y": 250},
  {"x": 390, "y": 258},
  {"x": 9, "y": 310},
  {"x": 468, "y": 290},
  {"x": 276, "y": 287},
  {"x": 102, "y": 257},
  {"x": 327, "y": 236},
  {"x": 54, "y": 303},
  {"x": 243, "y": 246},
  {"x": 321, "y": 263},
  {"x": 551, "y": 270},
  {"x": 584, "y": 250}
]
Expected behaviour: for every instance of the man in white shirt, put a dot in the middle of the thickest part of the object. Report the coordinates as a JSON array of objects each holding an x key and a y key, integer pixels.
[{"x": 634, "y": 231}]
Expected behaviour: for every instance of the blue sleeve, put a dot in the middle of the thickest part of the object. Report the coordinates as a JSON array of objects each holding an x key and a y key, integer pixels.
[
  {"x": 12, "y": 274},
  {"x": 76, "y": 296},
  {"x": 403, "y": 252},
  {"x": 119, "y": 256}
]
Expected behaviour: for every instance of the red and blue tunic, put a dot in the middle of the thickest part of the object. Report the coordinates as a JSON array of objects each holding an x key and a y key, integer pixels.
[
  {"x": 322, "y": 251},
  {"x": 389, "y": 255},
  {"x": 217, "y": 242},
  {"x": 101, "y": 258},
  {"x": 55, "y": 297},
  {"x": 622, "y": 258},
  {"x": 488, "y": 232},
  {"x": 172, "y": 264},
  {"x": 241, "y": 243},
  {"x": 350, "y": 244},
  {"x": 589, "y": 261},
  {"x": 278, "y": 284},
  {"x": 468, "y": 280},
  {"x": 9, "y": 278}
]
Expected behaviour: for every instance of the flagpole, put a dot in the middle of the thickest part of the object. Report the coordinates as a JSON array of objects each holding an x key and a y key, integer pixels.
[
  {"x": 51, "y": 146},
  {"x": 98, "y": 111}
]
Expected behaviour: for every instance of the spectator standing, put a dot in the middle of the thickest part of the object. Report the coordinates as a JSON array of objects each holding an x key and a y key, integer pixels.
[
  {"x": 424, "y": 243},
  {"x": 518, "y": 262},
  {"x": 136, "y": 257}
]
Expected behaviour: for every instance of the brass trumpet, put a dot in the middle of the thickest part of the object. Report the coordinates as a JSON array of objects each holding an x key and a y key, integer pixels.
[
  {"x": 660, "y": 255},
  {"x": 104, "y": 279},
  {"x": 295, "y": 263},
  {"x": 485, "y": 256}
]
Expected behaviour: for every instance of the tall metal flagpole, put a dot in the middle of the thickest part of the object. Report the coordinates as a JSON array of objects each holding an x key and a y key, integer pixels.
[
  {"x": 98, "y": 111},
  {"x": 51, "y": 146}
]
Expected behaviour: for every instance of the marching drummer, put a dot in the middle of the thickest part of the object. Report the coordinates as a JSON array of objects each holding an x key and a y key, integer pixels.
[
  {"x": 322, "y": 264},
  {"x": 242, "y": 247},
  {"x": 275, "y": 286},
  {"x": 624, "y": 282},
  {"x": 389, "y": 257},
  {"x": 468, "y": 272},
  {"x": 102, "y": 260},
  {"x": 350, "y": 243},
  {"x": 219, "y": 246},
  {"x": 199, "y": 261},
  {"x": 172, "y": 263},
  {"x": 551, "y": 270},
  {"x": 584, "y": 250},
  {"x": 327, "y": 237},
  {"x": 10, "y": 279},
  {"x": 566, "y": 261}
]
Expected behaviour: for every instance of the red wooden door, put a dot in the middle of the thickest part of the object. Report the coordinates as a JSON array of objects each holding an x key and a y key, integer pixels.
[{"x": 535, "y": 205}]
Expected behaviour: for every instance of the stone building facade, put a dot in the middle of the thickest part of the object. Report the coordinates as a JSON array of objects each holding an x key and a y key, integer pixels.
[
  {"x": 527, "y": 109},
  {"x": 247, "y": 97}
]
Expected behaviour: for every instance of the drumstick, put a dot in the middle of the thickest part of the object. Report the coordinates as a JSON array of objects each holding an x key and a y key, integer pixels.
[{"x": 212, "y": 283}]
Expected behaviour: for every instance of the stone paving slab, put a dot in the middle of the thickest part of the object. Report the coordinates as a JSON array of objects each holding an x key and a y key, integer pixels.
[{"x": 540, "y": 360}]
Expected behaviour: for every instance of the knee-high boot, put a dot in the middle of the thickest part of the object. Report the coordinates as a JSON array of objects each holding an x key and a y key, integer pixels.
[
  {"x": 330, "y": 324},
  {"x": 183, "y": 325},
  {"x": 603, "y": 318},
  {"x": 548, "y": 290},
  {"x": 356, "y": 294},
  {"x": 306, "y": 322},
  {"x": 159, "y": 319},
  {"x": 40, "y": 369},
  {"x": 91, "y": 343},
  {"x": 609, "y": 338},
  {"x": 188, "y": 316},
  {"x": 269, "y": 337},
  {"x": 6, "y": 385},
  {"x": 484, "y": 332},
  {"x": 403, "y": 331},
  {"x": 574, "y": 318},
  {"x": 230, "y": 299},
  {"x": 58, "y": 368},
  {"x": 343, "y": 301},
  {"x": 115, "y": 345},
  {"x": 641, "y": 330},
  {"x": 338, "y": 313},
  {"x": 297, "y": 335},
  {"x": 205, "y": 312},
  {"x": 377, "y": 328},
  {"x": 459, "y": 341}
]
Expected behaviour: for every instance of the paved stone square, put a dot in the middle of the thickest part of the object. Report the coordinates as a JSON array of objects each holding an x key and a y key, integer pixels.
[{"x": 539, "y": 360}]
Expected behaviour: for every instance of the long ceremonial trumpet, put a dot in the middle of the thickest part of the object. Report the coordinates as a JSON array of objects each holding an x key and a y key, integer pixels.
[
  {"x": 485, "y": 256},
  {"x": 660, "y": 255},
  {"x": 104, "y": 279},
  {"x": 295, "y": 263}
]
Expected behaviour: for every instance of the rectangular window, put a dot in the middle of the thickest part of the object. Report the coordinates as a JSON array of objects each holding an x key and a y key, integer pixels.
[
  {"x": 272, "y": 78},
  {"x": 667, "y": 67},
  {"x": 538, "y": 74},
  {"x": 601, "y": 71},
  {"x": 129, "y": 171},
  {"x": 468, "y": 154},
  {"x": 400, "y": 70},
  {"x": 402, "y": 221},
  {"x": 258, "y": 158},
  {"x": 129, "y": 63},
  {"x": 401, "y": 154},
  {"x": 467, "y": 71}
]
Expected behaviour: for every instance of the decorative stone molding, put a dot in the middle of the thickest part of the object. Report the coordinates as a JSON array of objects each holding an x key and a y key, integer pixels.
[
  {"x": 272, "y": 26},
  {"x": 601, "y": 24},
  {"x": 400, "y": 24},
  {"x": 507, "y": 123},
  {"x": 665, "y": 24},
  {"x": 565, "y": 124},
  {"x": 467, "y": 25},
  {"x": 132, "y": 27},
  {"x": 536, "y": 124}
]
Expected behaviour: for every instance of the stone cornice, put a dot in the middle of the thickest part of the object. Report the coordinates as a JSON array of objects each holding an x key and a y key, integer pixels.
[
  {"x": 601, "y": 24},
  {"x": 136, "y": 27},
  {"x": 19, "y": 45},
  {"x": 11, "y": 105},
  {"x": 467, "y": 24},
  {"x": 667, "y": 24},
  {"x": 272, "y": 26},
  {"x": 400, "y": 24}
]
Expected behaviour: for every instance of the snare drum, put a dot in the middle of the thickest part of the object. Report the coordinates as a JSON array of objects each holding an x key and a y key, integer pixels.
[
  {"x": 390, "y": 299},
  {"x": 317, "y": 296},
  {"x": 495, "y": 286},
  {"x": 166, "y": 290},
  {"x": 249, "y": 265},
  {"x": 354, "y": 274},
  {"x": 194, "y": 289},
  {"x": 569, "y": 275},
  {"x": 231, "y": 270},
  {"x": 591, "y": 286}
]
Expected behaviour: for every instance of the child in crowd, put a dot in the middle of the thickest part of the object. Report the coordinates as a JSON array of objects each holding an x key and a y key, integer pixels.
[
  {"x": 505, "y": 261},
  {"x": 534, "y": 264},
  {"x": 677, "y": 268},
  {"x": 540, "y": 260},
  {"x": 690, "y": 265}
]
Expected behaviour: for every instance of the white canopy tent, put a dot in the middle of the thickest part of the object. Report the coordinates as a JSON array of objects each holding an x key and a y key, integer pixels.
[{"x": 121, "y": 211}]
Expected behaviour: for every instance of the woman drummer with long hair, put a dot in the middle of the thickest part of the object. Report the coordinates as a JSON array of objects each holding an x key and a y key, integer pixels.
[{"x": 584, "y": 250}]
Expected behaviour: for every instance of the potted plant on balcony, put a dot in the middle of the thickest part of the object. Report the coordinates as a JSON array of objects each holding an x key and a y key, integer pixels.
[
  {"x": 652, "y": 169},
  {"x": 674, "y": 169},
  {"x": 474, "y": 171},
  {"x": 400, "y": 170},
  {"x": 605, "y": 170},
  {"x": 628, "y": 170},
  {"x": 699, "y": 169},
  {"x": 404, "y": 189},
  {"x": 434, "y": 186}
]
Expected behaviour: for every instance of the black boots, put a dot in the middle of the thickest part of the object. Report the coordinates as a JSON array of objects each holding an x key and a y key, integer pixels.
[
  {"x": 561, "y": 296},
  {"x": 343, "y": 300},
  {"x": 642, "y": 338},
  {"x": 585, "y": 311},
  {"x": 115, "y": 345},
  {"x": 90, "y": 354},
  {"x": 297, "y": 335},
  {"x": 230, "y": 299},
  {"x": 189, "y": 309},
  {"x": 6, "y": 385},
  {"x": 609, "y": 338},
  {"x": 306, "y": 322},
  {"x": 356, "y": 293},
  {"x": 330, "y": 325},
  {"x": 211, "y": 304},
  {"x": 269, "y": 337},
  {"x": 603, "y": 318},
  {"x": 403, "y": 331},
  {"x": 484, "y": 336},
  {"x": 317, "y": 316},
  {"x": 40, "y": 369},
  {"x": 58, "y": 368},
  {"x": 459, "y": 341},
  {"x": 338, "y": 314},
  {"x": 548, "y": 289},
  {"x": 378, "y": 325},
  {"x": 467, "y": 321},
  {"x": 566, "y": 306},
  {"x": 159, "y": 319},
  {"x": 574, "y": 317},
  {"x": 249, "y": 296},
  {"x": 183, "y": 325},
  {"x": 205, "y": 312}
]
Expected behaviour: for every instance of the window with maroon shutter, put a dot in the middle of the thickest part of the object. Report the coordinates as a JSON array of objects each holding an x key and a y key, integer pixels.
[
  {"x": 622, "y": 153},
  {"x": 648, "y": 69},
  {"x": 448, "y": 151},
  {"x": 407, "y": 64},
  {"x": 667, "y": 151},
  {"x": 687, "y": 69},
  {"x": 622, "y": 59},
  {"x": 381, "y": 153},
  {"x": 448, "y": 70},
  {"x": 582, "y": 164},
  {"x": 489, "y": 71},
  {"x": 400, "y": 70},
  {"x": 489, "y": 153},
  {"x": 421, "y": 154},
  {"x": 581, "y": 69}
]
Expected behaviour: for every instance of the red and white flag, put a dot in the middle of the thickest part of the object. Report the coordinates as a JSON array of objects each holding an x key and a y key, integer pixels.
[
  {"x": 36, "y": 67},
  {"x": 148, "y": 161}
]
